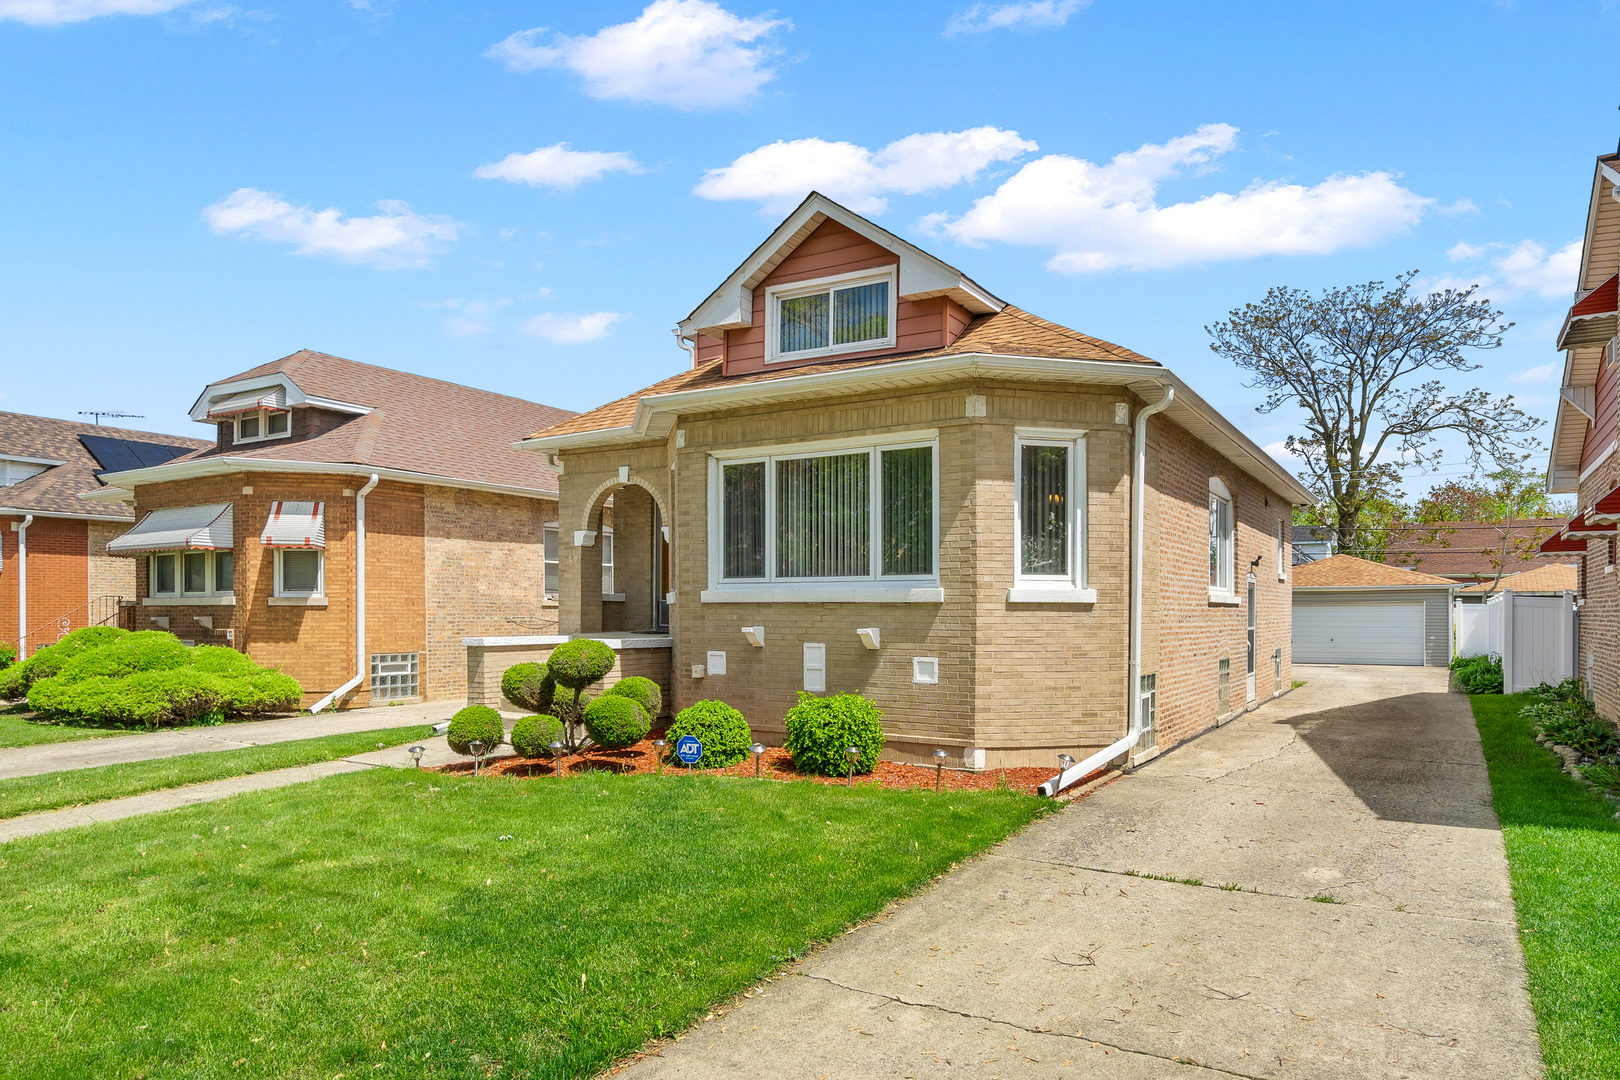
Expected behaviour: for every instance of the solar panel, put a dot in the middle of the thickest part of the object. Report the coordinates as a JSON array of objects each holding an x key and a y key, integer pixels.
[{"x": 117, "y": 455}]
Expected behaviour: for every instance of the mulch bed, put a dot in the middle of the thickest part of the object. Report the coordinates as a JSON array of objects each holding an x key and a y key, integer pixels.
[{"x": 774, "y": 765}]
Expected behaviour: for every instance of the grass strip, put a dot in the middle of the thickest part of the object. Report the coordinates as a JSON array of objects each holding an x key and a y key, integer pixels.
[
  {"x": 18, "y": 728},
  {"x": 1563, "y": 849},
  {"x": 394, "y": 924},
  {"x": 51, "y": 791}
]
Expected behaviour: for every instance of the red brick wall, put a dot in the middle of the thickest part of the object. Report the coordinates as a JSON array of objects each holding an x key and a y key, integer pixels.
[
  {"x": 1600, "y": 614},
  {"x": 58, "y": 579}
]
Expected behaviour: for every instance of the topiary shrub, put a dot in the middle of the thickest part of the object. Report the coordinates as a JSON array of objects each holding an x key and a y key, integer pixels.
[
  {"x": 720, "y": 728},
  {"x": 821, "y": 729},
  {"x": 146, "y": 650},
  {"x": 574, "y": 665},
  {"x": 512, "y": 681},
  {"x": 532, "y": 736},
  {"x": 643, "y": 692},
  {"x": 475, "y": 722},
  {"x": 616, "y": 721},
  {"x": 538, "y": 692}
]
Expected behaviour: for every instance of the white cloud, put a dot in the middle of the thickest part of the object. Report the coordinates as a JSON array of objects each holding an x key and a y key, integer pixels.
[
  {"x": 1539, "y": 374},
  {"x": 557, "y": 167},
  {"x": 1525, "y": 267},
  {"x": 572, "y": 329},
  {"x": 689, "y": 54},
  {"x": 1463, "y": 251},
  {"x": 1104, "y": 216},
  {"x": 396, "y": 238},
  {"x": 1032, "y": 15},
  {"x": 780, "y": 174},
  {"x": 57, "y": 12},
  {"x": 472, "y": 318}
]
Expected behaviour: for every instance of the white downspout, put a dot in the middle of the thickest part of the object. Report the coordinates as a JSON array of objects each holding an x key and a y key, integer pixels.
[
  {"x": 361, "y": 660},
  {"x": 22, "y": 586},
  {"x": 1133, "y": 696}
]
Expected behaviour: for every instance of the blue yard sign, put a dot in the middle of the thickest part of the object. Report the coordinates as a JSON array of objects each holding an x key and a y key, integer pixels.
[{"x": 689, "y": 749}]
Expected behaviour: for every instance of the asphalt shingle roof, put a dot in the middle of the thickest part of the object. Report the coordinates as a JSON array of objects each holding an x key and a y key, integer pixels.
[
  {"x": 57, "y": 489},
  {"x": 1349, "y": 571}
]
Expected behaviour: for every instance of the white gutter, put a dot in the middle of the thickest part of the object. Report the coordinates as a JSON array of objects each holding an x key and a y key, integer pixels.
[
  {"x": 108, "y": 518},
  {"x": 1133, "y": 694},
  {"x": 22, "y": 585},
  {"x": 218, "y": 466},
  {"x": 361, "y": 661}
]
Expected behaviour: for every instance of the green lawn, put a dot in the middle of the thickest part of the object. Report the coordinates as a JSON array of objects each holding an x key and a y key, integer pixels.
[
  {"x": 19, "y": 728},
  {"x": 1563, "y": 848},
  {"x": 402, "y": 924},
  {"x": 31, "y": 794}
]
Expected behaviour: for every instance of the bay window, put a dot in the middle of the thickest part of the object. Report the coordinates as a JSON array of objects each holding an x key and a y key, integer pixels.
[
  {"x": 841, "y": 514},
  {"x": 846, "y": 313},
  {"x": 1049, "y": 469}
]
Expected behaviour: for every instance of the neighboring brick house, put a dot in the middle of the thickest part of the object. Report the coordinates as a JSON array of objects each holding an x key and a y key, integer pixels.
[
  {"x": 55, "y": 574},
  {"x": 1586, "y": 435},
  {"x": 325, "y": 473},
  {"x": 877, "y": 476}
]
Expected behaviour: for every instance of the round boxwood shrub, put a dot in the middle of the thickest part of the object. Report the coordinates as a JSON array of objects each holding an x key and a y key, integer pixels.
[
  {"x": 643, "y": 692},
  {"x": 512, "y": 681},
  {"x": 720, "y": 728},
  {"x": 532, "y": 736},
  {"x": 579, "y": 663},
  {"x": 821, "y": 730},
  {"x": 615, "y": 721},
  {"x": 538, "y": 691},
  {"x": 475, "y": 722}
]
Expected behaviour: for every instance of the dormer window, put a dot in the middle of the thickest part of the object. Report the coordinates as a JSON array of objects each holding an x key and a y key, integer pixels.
[
  {"x": 261, "y": 424},
  {"x": 831, "y": 315}
]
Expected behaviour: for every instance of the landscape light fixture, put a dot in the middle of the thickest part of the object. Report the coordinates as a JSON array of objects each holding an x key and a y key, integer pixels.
[
  {"x": 939, "y": 768},
  {"x": 758, "y": 750},
  {"x": 478, "y": 753},
  {"x": 1065, "y": 763},
  {"x": 659, "y": 746},
  {"x": 416, "y": 753},
  {"x": 854, "y": 753},
  {"x": 556, "y": 748}
]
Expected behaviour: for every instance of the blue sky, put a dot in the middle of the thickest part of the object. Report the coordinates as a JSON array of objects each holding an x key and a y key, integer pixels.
[{"x": 527, "y": 197}]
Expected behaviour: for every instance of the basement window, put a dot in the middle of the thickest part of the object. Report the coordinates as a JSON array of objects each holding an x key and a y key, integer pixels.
[
  {"x": 826, "y": 316},
  {"x": 393, "y": 676}
]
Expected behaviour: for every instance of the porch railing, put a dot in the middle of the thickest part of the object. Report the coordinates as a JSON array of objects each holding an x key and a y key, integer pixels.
[{"x": 102, "y": 611}]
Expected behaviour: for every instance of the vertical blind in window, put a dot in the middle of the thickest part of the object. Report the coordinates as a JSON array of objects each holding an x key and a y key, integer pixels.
[
  {"x": 861, "y": 313},
  {"x": 300, "y": 570},
  {"x": 804, "y": 323},
  {"x": 837, "y": 317},
  {"x": 1044, "y": 510},
  {"x": 908, "y": 511},
  {"x": 743, "y": 525},
  {"x": 823, "y": 516}
]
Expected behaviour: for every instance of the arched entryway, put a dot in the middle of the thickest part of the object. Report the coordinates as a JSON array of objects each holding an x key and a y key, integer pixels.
[{"x": 622, "y": 558}]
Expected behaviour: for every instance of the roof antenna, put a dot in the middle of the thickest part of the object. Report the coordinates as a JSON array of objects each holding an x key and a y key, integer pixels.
[{"x": 114, "y": 415}]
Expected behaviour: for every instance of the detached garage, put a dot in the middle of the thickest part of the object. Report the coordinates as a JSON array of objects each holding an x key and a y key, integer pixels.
[{"x": 1353, "y": 611}]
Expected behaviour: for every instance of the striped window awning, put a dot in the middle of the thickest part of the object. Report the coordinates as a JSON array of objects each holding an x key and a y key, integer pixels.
[
  {"x": 179, "y": 528},
  {"x": 295, "y": 525},
  {"x": 1606, "y": 511},
  {"x": 1580, "y": 526},
  {"x": 271, "y": 398}
]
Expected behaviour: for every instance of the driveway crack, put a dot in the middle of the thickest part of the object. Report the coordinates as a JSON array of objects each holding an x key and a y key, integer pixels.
[{"x": 1028, "y": 1030}]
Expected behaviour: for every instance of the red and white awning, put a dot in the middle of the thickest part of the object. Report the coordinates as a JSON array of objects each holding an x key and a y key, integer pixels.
[
  {"x": 271, "y": 398},
  {"x": 1591, "y": 321},
  {"x": 1606, "y": 511},
  {"x": 295, "y": 525},
  {"x": 179, "y": 528},
  {"x": 1559, "y": 544},
  {"x": 1579, "y": 525}
]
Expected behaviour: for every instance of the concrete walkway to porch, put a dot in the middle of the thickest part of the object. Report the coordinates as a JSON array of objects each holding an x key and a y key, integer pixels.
[
  {"x": 1317, "y": 889},
  {"x": 86, "y": 753}
]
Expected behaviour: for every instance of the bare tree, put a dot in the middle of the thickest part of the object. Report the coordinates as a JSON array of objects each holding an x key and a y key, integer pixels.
[{"x": 1361, "y": 360}]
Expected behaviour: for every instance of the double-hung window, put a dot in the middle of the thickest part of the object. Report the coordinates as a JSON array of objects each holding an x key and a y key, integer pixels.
[
  {"x": 190, "y": 574},
  {"x": 552, "y": 559},
  {"x": 847, "y": 313},
  {"x": 262, "y": 424},
  {"x": 1049, "y": 513},
  {"x": 300, "y": 572},
  {"x": 803, "y": 517},
  {"x": 1222, "y": 533}
]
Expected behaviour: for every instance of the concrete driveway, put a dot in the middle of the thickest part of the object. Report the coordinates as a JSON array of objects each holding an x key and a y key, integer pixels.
[{"x": 1339, "y": 908}]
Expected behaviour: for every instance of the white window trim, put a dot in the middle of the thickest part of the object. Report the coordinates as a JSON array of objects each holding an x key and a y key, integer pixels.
[
  {"x": 180, "y": 595},
  {"x": 1050, "y": 588},
  {"x": 775, "y": 294},
  {"x": 551, "y": 527},
  {"x": 319, "y": 592},
  {"x": 873, "y": 586},
  {"x": 264, "y": 427},
  {"x": 1226, "y": 595}
]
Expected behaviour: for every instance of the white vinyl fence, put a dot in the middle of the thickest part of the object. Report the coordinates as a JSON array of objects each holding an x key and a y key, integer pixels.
[{"x": 1536, "y": 636}]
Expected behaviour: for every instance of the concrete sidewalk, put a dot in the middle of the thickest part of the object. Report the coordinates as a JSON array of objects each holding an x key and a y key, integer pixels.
[
  {"x": 1063, "y": 954},
  {"x": 87, "y": 753}
]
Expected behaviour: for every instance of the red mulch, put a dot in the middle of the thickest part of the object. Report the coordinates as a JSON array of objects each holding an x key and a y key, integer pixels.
[{"x": 774, "y": 765}]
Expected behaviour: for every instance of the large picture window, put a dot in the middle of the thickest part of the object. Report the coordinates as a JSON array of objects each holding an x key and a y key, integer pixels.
[
  {"x": 1049, "y": 511},
  {"x": 831, "y": 315},
  {"x": 852, "y": 513}
]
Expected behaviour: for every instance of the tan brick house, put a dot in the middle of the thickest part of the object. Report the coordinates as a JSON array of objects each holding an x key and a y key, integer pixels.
[
  {"x": 55, "y": 573},
  {"x": 877, "y": 476},
  {"x": 1585, "y": 458},
  {"x": 350, "y": 525}
]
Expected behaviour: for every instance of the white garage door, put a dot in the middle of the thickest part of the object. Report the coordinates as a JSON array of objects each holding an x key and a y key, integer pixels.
[{"x": 1377, "y": 633}]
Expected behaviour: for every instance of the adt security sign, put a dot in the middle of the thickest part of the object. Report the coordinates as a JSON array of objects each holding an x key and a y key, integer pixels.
[{"x": 689, "y": 749}]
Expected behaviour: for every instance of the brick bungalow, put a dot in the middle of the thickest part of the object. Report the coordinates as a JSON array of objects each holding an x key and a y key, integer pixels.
[
  {"x": 877, "y": 476},
  {"x": 1586, "y": 437},
  {"x": 55, "y": 573},
  {"x": 350, "y": 524}
]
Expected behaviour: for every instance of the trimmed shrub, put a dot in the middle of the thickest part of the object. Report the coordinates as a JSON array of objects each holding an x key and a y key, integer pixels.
[
  {"x": 532, "y": 736},
  {"x": 643, "y": 692},
  {"x": 579, "y": 663},
  {"x": 1478, "y": 674},
  {"x": 512, "y": 681},
  {"x": 44, "y": 664},
  {"x": 821, "y": 729},
  {"x": 8, "y": 655},
  {"x": 616, "y": 721},
  {"x": 475, "y": 722},
  {"x": 720, "y": 728},
  {"x": 147, "y": 698},
  {"x": 219, "y": 660},
  {"x": 261, "y": 692},
  {"x": 146, "y": 650},
  {"x": 538, "y": 691}
]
